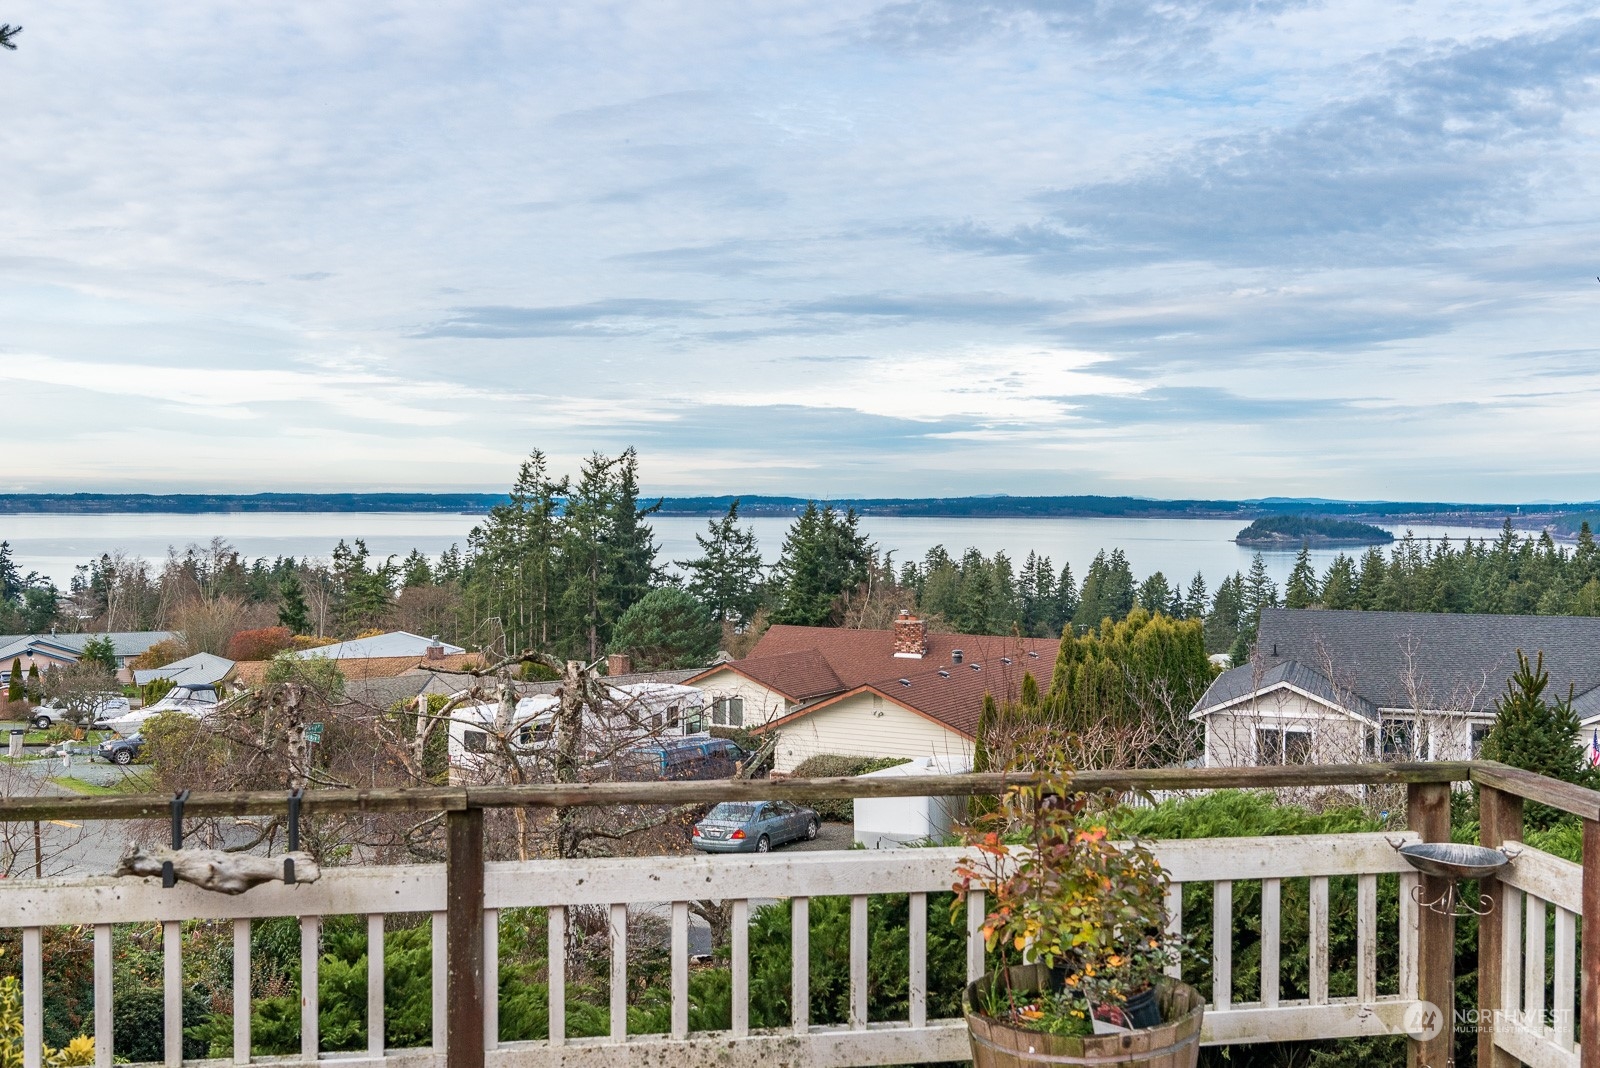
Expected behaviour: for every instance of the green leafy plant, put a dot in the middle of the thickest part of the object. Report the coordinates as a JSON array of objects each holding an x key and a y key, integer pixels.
[{"x": 1065, "y": 895}]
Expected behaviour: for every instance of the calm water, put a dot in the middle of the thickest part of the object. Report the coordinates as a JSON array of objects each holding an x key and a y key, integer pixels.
[{"x": 55, "y": 545}]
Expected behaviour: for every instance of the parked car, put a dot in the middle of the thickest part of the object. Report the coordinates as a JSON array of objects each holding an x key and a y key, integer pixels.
[
  {"x": 754, "y": 826},
  {"x": 105, "y": 706},
  {"x": 122, "y": 750}
]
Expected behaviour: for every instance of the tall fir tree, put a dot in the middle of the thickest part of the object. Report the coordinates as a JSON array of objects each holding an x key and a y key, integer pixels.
[
  {"x": 1536, "y": 734},
  {"x": 293, "y": 611},
  {"x": 726, "y": 576},
  {"x": 1301, "y": 589},
  {"x": 824, "y": 554}
]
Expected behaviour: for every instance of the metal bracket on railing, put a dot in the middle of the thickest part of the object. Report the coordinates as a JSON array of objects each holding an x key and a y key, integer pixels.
[
  {"x": 294, "y": 833},
  {"x": 169, "y": 878}
]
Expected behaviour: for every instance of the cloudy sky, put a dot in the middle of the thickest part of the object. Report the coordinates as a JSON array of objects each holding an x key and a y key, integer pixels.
[{"x": 1194, "y": 247}]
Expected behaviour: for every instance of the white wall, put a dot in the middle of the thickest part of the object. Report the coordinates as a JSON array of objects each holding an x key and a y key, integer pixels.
[
  {"x": 853, "y": 727},
  {"x": 760, "y": 704}
]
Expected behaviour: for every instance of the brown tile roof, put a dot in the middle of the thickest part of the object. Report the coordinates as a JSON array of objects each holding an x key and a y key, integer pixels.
[
  {"x": 791, "y": 660},
  {"x": 362, "y": 668}
]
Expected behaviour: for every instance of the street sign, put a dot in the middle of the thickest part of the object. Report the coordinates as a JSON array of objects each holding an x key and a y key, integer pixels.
[{"x": 313, "y": 733}]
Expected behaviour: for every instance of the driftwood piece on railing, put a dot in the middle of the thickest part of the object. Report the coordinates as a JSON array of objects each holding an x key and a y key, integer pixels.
[{"x": 214, "y": 869}]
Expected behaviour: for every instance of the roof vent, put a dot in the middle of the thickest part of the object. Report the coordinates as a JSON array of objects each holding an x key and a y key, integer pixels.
[
  {"x": 1005, "y": 660},
  {"x": 943, "y": 674},
  {"x": 905, "y": 682},
  {"x": 955, "y": 656},
  {"x": 976, "y": 667},
  {"x": 1274, "y": 648},
  {"x": 1032, "y": 655}
]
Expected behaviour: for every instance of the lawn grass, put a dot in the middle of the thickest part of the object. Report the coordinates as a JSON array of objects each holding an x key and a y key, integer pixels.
[{"x": 135, "y": 783}]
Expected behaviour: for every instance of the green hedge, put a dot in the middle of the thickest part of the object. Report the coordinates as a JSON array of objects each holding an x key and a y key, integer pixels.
[{"x": 838, "y": 765}]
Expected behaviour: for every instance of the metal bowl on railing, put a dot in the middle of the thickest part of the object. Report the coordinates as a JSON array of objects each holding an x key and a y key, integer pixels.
[{"x": 1454, "y": 860}]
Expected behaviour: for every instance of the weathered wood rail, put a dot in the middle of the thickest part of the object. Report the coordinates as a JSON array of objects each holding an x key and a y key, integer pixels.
[{"x": 465, "y": 897}]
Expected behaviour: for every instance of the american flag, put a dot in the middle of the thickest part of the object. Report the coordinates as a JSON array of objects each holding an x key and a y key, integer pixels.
[{"x": 1594, "y": 751}]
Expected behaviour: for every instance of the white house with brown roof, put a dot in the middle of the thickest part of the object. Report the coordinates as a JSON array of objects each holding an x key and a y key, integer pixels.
[{"x": 902, "y": 692}]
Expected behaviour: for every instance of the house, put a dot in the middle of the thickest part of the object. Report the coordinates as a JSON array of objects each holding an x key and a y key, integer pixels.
[
  {"x": 58, "y": 650},
  {"x": 898, "y": 692},
  {"x": 199, "y": 668},
  {"x": 1326, "y": 687}
]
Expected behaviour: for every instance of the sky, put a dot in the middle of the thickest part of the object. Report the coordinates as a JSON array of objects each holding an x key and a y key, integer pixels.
[{"x": 1195, "y": 248}]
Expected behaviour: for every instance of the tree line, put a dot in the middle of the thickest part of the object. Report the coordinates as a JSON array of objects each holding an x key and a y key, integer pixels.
[{"x": 569, "y": 564}]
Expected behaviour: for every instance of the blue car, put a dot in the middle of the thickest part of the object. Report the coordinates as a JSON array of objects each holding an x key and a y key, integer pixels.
[{"x": 754, "y": 826}]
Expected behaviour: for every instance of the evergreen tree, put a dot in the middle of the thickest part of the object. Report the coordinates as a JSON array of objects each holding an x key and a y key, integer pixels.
[
  {"x": 1145, "y": 669},
  {"x": 363, "y": 595},
  {"x": 100, "y": 652},
  {"x": 11, "y": 584},
  {"x": 1108, "y": 591},
  {"x": 1066, "y": 602},
  {"x": 14, "y": 683},
  {"x": 726, "y": 577},
  {"x": 1227, "y": 610},
  {"x": 1037, "y": 590},
  {"x": 665, "y": 629},
  {"x": 1534, "y": 734},
  {"x": 515, "y": 575},
  {"x": 1339, "y": 585},
  {"x": 292, "y": 609},
  {"x": 8, "y": 36},
  {"x": 1196, "y": 598},
  {"x": 824, "y": 554},
  {"x": 1301, "y": 589},
  {"x": 1155, "y": 595},
  {"x": 415, "y": 571}
]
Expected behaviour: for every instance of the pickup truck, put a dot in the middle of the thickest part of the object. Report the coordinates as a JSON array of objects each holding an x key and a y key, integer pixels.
[{"x": 105, "y": 706}]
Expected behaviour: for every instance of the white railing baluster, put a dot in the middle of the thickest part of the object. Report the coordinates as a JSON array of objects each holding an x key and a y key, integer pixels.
[
  {"x": 1221, "y": 945},
  {"x": 491, "y": 979},
  {"x": 619, "y": 973},
  {"x": 1175, "y": 923},
  {"x": 1408, "y": 935},
  {"x": 917, "y": 929},
  {"x": 976, "y": 912},
  {"x": 740, "y": 951},
  {"x": 858, "y": 962},
  {"x": 1319, "y": 940},
  {"x": 102, "y": 995},
  {"x": 441, "y": 987},
  {"x": 241, "y": 991},
  {"x": 310, "y": 957},
  {"x": 172, "y": 991},
  {"x": 1533, "y": 964},
  {"x": 376, "y": 1024},
  {"x": 1271, "y": 941},
  {"x": 33, "y": 997},
  {"x": 1510, "y": 949},
  {"x": 800, "y": 963},
  {"x": 556, "y": 966},
  {"x": 1566, "y": 934},
  {"x": 680, "y": 969},
  {"x": 1366, "y": 938}
]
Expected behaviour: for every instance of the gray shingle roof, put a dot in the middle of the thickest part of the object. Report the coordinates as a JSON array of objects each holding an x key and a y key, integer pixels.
[
  {"x": 1419, "y": 659},
  {"x": 1253, "y": 678},
  {"x": 395, "y": 643},
  {"x": 201, "y": 667},
  {"x": 125, "y": 642}
]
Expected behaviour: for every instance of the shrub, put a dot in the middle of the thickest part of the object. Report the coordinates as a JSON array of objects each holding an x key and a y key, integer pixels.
[
  {"x": 260, "y": 644},
  {"x": 838, "y": 765}
]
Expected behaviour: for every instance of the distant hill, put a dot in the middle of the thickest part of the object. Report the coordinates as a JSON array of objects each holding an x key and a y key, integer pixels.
[
  {"x": 1291, "y": 531},
  {"x": 991, "y": 506}
]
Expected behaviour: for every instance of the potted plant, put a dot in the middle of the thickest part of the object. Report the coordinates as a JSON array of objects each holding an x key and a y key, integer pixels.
[{"x": 1085, "y": 920}]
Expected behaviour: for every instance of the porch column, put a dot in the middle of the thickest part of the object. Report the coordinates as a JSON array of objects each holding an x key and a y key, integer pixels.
[
  {"x": 1499, "y": 822},
  {"x": 464, "y": 938}
]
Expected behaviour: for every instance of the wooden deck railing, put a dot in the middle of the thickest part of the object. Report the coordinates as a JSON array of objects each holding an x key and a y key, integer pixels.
[{"x": 465, "y": 897}]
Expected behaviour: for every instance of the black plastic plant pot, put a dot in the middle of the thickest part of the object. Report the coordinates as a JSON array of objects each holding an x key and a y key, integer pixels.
[{"x": 1143, "y": 1009}]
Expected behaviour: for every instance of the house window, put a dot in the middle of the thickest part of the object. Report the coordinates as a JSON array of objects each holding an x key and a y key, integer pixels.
[
  {"x": 1282, "y": 746},
  {"x": 728, "y": 712},
  {"x": 1480, "y": 732},
  {"x": 475, "y": 741},
  {"x": 1399, "y": 739}
]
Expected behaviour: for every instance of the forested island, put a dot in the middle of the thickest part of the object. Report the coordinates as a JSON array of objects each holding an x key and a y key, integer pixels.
[{"x": 1292, "y": 531}]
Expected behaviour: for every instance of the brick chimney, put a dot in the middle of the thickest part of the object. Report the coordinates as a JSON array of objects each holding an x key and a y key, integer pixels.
[
  {"x": 435, "y": 649},
  {"x": 910, "y": 636},
  {"x": 619, "y": 664}
]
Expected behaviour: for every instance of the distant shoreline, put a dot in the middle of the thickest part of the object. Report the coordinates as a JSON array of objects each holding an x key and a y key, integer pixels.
[{"x": 1559, "y": 516}]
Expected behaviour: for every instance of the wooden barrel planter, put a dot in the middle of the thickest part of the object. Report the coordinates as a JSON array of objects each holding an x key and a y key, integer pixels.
[{"x": 1173, "y": 1044}]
